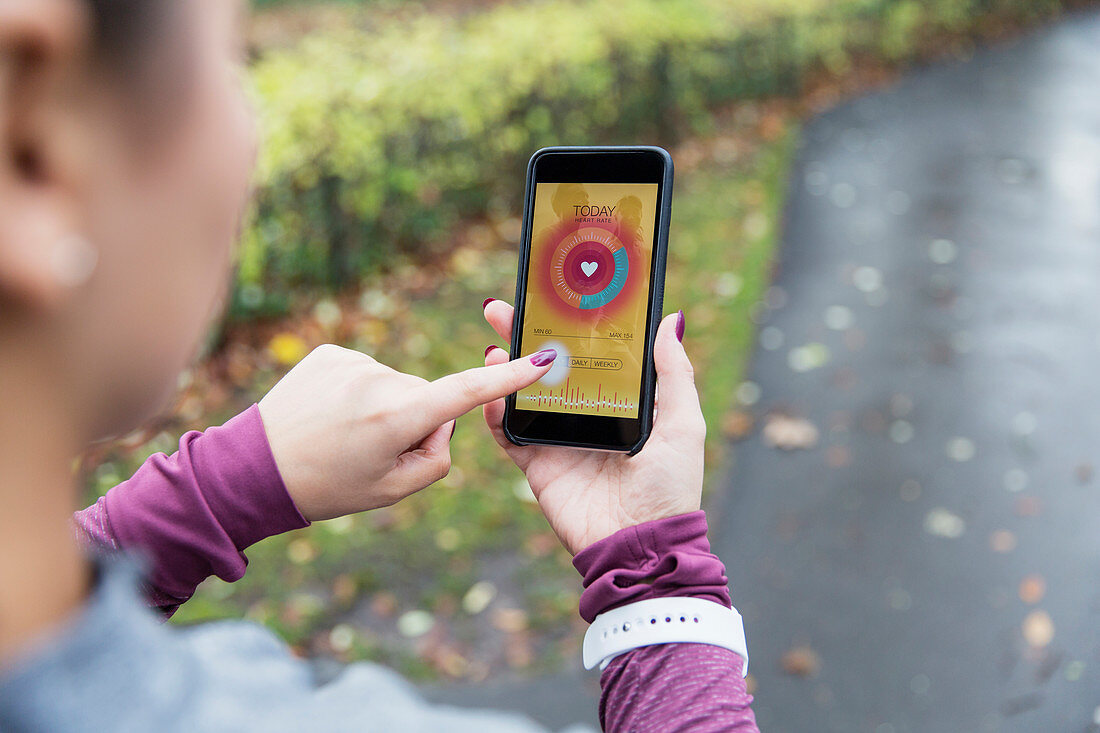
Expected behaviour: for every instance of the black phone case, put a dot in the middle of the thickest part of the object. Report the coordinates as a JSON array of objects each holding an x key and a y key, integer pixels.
[{"x": 656, "y": 305}]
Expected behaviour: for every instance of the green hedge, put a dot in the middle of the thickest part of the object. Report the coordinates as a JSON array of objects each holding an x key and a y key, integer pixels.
[{"x": 377, "y": 141}]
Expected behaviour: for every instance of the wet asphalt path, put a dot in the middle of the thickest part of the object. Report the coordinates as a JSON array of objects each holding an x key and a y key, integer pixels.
[{"x": 936, "y": 317}]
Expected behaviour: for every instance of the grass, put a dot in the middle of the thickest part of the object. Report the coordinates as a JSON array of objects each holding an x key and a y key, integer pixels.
[{"x": 370, "y": 586}]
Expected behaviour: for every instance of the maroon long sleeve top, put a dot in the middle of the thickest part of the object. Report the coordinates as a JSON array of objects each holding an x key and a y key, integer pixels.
[{"x": 192, "y": 515}]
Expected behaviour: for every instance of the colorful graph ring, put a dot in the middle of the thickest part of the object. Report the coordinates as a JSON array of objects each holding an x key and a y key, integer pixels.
[{"x": 589, "y": 268}]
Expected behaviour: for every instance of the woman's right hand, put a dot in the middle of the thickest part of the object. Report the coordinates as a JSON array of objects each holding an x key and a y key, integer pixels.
[
  {"x": 588, "y": 495},
  {"x": 350, "y": 434}
]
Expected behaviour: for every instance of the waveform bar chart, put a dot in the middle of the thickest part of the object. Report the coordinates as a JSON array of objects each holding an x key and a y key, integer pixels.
[{"x": 574, "y": 398}]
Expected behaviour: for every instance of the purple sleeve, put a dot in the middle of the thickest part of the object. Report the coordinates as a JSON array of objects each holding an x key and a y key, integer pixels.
[
  {"x": 696, "y": 687},
  {"x": 193, "y": 513}
]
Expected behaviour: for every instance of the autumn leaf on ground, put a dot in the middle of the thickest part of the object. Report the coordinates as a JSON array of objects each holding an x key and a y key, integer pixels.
[
  {"x": 384, "y": 604},
  {"x": 1002, "y": 541},
  {"x": 1032, "y": 589},
  {"x": 1038, "y": 629},
  {"x": 511, "y": 620},
  {"x": 801, "y": 661},
  {"x": 1027, "y": 506},
  {"x": 789, "y": 433},
  {"x": 287, "y": 349},
  {"x": 737, "y": 424}
]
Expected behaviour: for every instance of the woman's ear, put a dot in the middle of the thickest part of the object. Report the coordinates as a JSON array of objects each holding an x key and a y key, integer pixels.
[{"x": 42, "y": 255}]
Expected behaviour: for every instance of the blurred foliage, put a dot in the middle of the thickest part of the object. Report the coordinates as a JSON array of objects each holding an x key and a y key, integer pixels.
[
  {"x": 378, "y": 139},
  {"x": 393, "y": 160}
]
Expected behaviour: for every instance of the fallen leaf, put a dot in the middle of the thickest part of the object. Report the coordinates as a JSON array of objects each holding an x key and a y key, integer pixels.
[
  {"x": 855, "y": 339},
  {"x": 944, "y": 523},
  {"x": 509, "y": 229},
  {"x": 302, "y": 551},
  {"x": 450, "y": 662},
  {"x": 287, "y": 349},
  {"x": 445, "y": 605},
  {"x": 789, "y": 433},
  {"x": 961, "y": 449},
  {"x": 838, "y": 456},
  {"x": 519, "y": 652},
  {"x": 1028, "y": 506},
  {"x": 1032, "y": 589},
  {"x": 801, "y": 661},
  {"x": 541, "y": 544},
  {"x": 341, "y": 638},
  {"x": 383, "y": 604},
  {"x": 448, "y": 539},
  {"x": 1038, "y": 629},
  {"x": 737, "y": 424},
  {"x": 344, "y": 588},
  {"x": 910, "y": 490},
  {"x": 478, "y": 597},
  {"x": 415, "y": 623},
  {"x": 327, "y": 313},
  {"x": 510, "y": 620},
  {"x": 873, "y": 422},
  {"x": 772, "y": 126},
  {"x": 844, "y": 378},
  {"x": 808, "y": 357},
  {"x": 1002, "y": 541}
]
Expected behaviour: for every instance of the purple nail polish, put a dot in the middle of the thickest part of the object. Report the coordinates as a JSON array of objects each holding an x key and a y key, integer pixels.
[
  {"x": 486, "y": 302},
  {"x": 544, "y": 357},
  {"x": 680, "y": 326},
  {"x": 489, "y": 348}
]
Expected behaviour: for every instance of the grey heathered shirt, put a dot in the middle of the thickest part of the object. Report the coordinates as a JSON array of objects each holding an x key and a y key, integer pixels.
[{"x": 116, "y": 667}]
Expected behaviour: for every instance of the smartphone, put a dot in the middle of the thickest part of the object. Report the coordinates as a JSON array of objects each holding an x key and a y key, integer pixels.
[{"x": 591, "y": 285}]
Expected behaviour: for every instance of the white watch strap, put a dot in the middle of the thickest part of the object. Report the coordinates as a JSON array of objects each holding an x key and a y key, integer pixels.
[{"x": 663, "y": 621}]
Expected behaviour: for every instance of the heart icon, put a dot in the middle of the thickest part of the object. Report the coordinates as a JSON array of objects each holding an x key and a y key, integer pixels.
[{"x": 589, "y": 267}]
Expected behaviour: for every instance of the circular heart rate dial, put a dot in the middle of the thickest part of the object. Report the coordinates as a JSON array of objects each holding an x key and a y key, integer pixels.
[{"x": 589, "y": 268}]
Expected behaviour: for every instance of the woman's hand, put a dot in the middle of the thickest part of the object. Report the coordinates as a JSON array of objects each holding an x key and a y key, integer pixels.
[
  {"x": 589, "y": 495},
  {"x": 349, "y": 434}
]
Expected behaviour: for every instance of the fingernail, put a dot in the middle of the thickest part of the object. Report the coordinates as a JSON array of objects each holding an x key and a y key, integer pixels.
[
  {"x": 680, "y": 326},
  {"x": 489, "y": 348},
  {"x": 544, "y": 357},
  {"x": 487, "y": 302},
  {"x": 454, "y": 425}
]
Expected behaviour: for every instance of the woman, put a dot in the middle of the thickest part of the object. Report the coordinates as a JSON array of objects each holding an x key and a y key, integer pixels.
[{"x": 126, "y": 149}]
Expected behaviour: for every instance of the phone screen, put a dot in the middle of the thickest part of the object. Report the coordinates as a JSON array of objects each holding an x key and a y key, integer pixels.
[{"x": 588, "y": 284}]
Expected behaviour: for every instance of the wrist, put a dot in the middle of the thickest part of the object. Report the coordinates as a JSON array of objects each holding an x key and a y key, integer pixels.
[
  {"x": 643, "y": 518},
  {"x": 193, "y": 513},
  {"x": 249, "y": 496},
  {"x": 658, "y": 559}
]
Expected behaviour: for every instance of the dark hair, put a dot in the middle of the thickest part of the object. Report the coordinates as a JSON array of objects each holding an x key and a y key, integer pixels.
[
  {"x": 124, "y": 29},
  {"x": 141, "y": 45}
]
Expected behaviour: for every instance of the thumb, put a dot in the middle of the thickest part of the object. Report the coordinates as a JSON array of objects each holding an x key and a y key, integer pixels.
[
  {"x": 425, "y": 464},
  {"x": 679, "y": 414}
]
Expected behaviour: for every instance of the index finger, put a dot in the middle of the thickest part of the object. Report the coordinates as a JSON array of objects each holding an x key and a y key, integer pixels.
[{"x": 454, "y": 395}]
